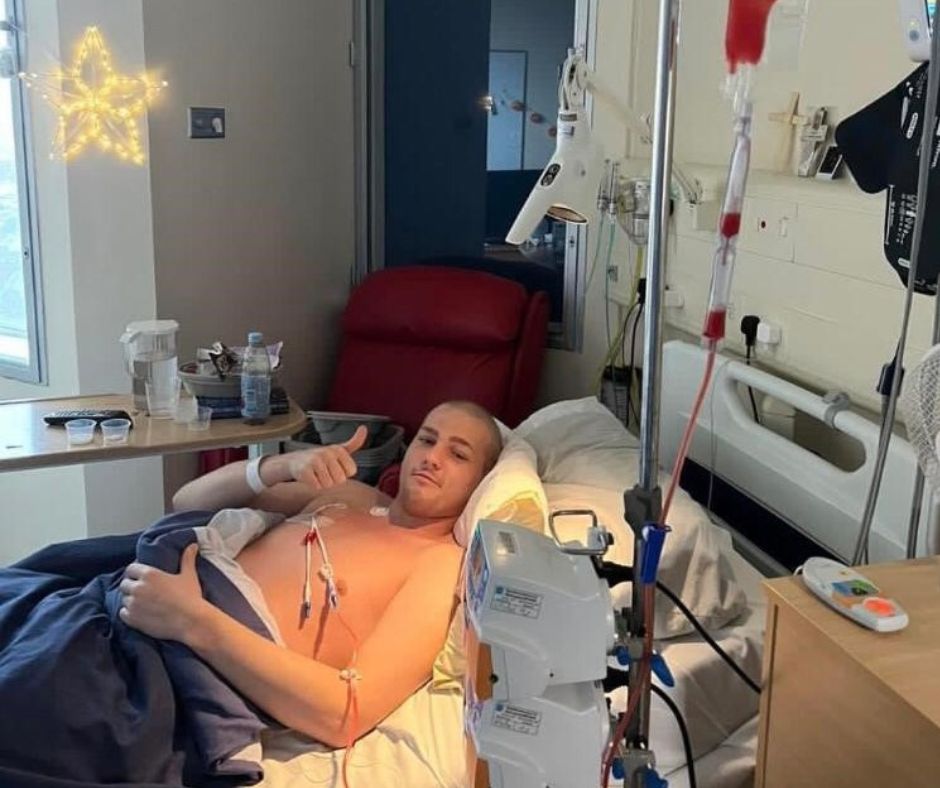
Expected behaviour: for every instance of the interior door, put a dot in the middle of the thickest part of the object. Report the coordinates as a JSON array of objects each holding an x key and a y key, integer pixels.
[{"x": 436, "y": 79}]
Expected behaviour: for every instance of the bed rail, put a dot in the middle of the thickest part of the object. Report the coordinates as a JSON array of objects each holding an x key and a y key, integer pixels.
[{"x": 820, "y": 499}]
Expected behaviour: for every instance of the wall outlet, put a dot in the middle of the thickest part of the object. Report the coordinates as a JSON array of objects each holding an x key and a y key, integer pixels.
[
  {"x": 672, "y": 299},
  {"x": 768, "y": 333},
  {"x": 767, "y": 228}
]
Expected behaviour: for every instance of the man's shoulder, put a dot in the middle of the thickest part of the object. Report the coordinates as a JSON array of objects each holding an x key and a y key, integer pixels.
[{"x": 440, "y": 558}]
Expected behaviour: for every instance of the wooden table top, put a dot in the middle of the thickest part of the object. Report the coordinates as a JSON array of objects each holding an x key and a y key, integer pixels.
[
  {"x": 26, "y": 441},
  {"x": 908, "y": 662}
]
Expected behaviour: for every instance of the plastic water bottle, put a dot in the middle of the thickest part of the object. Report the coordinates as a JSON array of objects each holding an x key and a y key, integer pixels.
[{"x": 256, "y": 381}]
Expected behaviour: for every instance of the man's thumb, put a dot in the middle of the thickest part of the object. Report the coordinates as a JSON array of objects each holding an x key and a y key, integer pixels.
[
  {"x": 188, "y": 562},
  {"x": 358, "y": 440}
]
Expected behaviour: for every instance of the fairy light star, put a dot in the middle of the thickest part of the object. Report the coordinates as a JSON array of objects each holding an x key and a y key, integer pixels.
[{"x": 96, "y": 106}]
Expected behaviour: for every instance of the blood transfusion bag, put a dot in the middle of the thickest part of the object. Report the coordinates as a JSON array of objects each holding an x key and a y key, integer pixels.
[
  {"x": 746, "y": 32},
  {"x": 745, "y": 36}
]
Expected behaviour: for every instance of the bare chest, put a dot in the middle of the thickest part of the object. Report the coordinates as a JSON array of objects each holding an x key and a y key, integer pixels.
[{"x": 370, "y": 563}]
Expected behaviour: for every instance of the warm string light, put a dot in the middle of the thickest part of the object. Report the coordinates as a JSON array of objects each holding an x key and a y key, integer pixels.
[{"x": 95, "y": 105}]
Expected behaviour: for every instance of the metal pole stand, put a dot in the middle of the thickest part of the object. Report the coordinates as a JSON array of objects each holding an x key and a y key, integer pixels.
[{"x": 643, "y": 504}]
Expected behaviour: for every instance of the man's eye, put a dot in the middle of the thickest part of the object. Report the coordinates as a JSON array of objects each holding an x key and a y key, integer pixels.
[
  {"x": 426, "y": 441},
  {"x": 460, "y": 456}
]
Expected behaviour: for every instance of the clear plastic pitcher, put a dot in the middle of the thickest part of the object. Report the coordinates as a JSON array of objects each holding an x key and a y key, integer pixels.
[{"x": 150, "y": 355}]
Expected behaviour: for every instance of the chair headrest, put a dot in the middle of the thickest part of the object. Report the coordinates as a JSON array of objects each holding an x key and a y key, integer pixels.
[{"x": 437, "y": 307}]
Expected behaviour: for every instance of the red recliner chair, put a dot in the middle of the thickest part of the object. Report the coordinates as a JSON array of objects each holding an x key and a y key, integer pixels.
[{"x": 416, "y": 336}]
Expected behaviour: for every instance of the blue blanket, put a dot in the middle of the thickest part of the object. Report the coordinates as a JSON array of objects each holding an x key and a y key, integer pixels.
[{"x": 86, "y": 700}]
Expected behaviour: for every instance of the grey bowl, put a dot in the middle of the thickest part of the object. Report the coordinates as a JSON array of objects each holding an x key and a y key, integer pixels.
[
  {"x": 210, "y": 385},
  {"x": 339, "y": 427}
]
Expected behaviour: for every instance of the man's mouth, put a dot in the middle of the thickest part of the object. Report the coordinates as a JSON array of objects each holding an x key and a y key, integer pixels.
[{"x": 427, "y": 477}]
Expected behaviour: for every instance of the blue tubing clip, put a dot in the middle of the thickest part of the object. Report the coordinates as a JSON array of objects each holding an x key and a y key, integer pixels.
[
  {"x": 651, "y": 779},
  {"x": 654, "y": 535},
  {"x": 661, "y": 670},
  {"x": 617, "y": 771}
]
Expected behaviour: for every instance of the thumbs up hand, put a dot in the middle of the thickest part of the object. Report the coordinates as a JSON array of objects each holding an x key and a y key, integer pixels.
[{"x": 328, "y": 466}]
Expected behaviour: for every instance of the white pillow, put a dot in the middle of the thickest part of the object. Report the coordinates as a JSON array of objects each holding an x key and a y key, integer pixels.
[
  {"x": 511, "y": 491},
  {"x": 579, "y": 442},
  {"x": 693, "y": 563},
  {"x": 587, "y": 459}
]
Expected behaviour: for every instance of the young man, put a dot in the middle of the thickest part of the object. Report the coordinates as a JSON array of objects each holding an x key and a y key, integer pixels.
[{"x": 395, "y": 570}]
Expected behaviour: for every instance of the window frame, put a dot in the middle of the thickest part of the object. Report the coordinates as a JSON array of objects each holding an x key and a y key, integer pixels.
[
  {"x": 35, "y": 370},
  {"x": 369, "y": 46}
]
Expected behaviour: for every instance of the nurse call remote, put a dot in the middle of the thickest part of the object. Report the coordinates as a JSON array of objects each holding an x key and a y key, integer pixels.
[{"x": 853, "y": 595}]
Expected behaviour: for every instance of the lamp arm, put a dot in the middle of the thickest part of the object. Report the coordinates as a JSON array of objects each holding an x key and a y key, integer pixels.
[
  {"x": 688, "y": 184},
  {"x": 582, "y": 78}
]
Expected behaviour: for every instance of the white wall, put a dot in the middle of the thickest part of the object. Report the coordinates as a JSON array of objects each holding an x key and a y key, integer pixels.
[
  {"x": 111, "y": 237},
  {"x": 255, "y": 231},
  {"x": 569, "y": 374},
  {"x": 96, "y": 254},
  {"x": 828, "y": 285}
]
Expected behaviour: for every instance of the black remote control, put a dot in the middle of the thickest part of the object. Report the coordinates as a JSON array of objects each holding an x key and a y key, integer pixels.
[{"x": 58, "y": 417}]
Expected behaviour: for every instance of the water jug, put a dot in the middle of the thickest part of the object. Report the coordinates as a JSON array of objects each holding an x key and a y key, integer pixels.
[{"x": 150, "y": 356}]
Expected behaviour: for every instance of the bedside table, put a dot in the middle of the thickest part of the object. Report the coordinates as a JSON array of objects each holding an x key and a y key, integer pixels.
[{"x": 843, "y": 705}]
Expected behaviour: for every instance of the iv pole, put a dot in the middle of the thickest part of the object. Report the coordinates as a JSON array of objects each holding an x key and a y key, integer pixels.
[{"x": 646, "y": 499}]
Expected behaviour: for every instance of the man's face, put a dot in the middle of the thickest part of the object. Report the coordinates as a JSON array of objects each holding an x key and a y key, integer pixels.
[{"x": 444, "y": 463}]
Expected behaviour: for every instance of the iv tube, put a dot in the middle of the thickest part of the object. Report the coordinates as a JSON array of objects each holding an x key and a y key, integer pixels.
[{"x": 729, "y": 225}]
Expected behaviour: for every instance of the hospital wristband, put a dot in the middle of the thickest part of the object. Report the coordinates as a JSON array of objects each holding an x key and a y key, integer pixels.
[{"x": 253, "y": 475}]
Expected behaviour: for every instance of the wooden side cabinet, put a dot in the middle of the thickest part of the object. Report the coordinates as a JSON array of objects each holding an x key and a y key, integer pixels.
[{"x": 845, "y": 706}]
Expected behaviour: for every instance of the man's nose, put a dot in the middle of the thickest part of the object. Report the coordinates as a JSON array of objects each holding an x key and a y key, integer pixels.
[{"x": 433, "y": 456}]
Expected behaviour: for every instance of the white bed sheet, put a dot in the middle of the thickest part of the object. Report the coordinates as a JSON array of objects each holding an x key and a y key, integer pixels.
[{"x": 421, "y": 744}]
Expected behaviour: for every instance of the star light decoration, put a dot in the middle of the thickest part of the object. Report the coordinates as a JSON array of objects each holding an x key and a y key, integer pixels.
[{"x": 96, "y": 106}]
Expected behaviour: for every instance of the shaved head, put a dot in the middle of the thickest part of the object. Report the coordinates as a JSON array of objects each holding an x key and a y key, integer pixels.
[
  {"x": 456, "y": 446},
  {"x": 481, "y": 414}
]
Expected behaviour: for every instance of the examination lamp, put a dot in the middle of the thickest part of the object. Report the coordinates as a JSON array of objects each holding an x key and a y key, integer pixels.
[{"x": 568, "y": 187}]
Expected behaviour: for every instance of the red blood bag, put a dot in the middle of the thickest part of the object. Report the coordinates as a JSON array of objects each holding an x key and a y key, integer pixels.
[{"x": 746, "y": 32}]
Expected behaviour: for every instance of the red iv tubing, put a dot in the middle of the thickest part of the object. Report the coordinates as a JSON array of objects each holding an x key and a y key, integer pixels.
[{"x": 744, "y": 45}]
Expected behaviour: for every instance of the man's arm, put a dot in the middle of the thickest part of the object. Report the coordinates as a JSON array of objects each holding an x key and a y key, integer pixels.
[
  {"x": 293, "y": 479},
  {"x": 300, "y": 692}
]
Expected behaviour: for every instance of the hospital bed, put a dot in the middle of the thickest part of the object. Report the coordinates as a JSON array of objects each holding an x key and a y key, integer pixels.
[
  {"x": 421, "y": 744},
  {"x": 586, "y": 457}
]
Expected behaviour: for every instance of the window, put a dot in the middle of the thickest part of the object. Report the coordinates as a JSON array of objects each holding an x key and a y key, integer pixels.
[{"x": 20, "y": 303}]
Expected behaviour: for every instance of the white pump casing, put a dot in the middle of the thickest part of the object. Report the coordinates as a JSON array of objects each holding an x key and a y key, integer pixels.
[
  {"x": 545, "y": 616},
  {"x": 556, "y": 740}
]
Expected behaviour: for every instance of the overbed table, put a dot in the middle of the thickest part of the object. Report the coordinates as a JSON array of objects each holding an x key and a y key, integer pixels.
[{"x": 26, "y": 441}]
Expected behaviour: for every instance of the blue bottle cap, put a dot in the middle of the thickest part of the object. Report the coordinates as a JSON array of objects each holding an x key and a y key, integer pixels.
[{"x": 255, "y": 338}]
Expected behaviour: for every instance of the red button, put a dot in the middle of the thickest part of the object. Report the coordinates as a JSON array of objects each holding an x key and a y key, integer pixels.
[{"x": 880, "y": 607}]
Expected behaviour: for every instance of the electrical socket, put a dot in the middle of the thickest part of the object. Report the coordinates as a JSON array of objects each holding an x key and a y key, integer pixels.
[
  {"x": 673, "y": 299},
  {"x": 768, "y": 333},
  {"x": 767, "y": 228}
]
